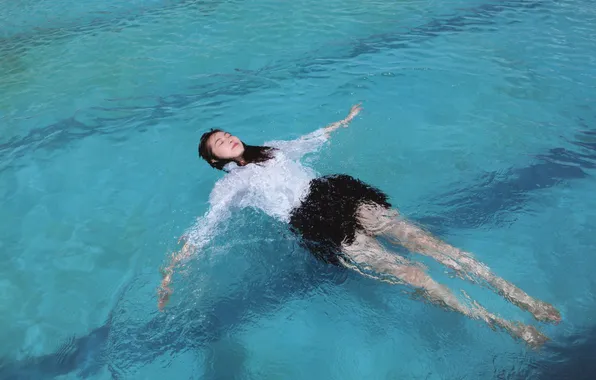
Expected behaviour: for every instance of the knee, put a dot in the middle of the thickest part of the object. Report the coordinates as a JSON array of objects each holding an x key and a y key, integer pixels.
[{"x": 414, "y": 275}]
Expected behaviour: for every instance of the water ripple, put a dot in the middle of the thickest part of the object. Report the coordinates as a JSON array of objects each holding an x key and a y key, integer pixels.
[{"x": 204, "y": 91}]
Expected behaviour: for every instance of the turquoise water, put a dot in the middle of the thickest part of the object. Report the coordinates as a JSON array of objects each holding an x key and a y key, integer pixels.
[{"x": 478, "y": 121}]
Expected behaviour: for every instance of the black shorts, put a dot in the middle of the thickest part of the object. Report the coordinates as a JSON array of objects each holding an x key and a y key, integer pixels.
[{"x": 327, "y": 218}]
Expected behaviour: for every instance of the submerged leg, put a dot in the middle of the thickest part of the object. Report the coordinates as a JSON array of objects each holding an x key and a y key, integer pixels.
[
  {"x": 367, "y": 255},
  {"x": 380, "y": 221}
]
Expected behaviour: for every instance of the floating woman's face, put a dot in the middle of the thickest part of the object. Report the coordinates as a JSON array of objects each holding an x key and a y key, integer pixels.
[{"x": 225, "y": 146}]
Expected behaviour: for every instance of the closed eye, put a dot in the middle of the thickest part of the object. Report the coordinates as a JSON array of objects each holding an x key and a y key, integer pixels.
[{"x": 219, "y": 141}]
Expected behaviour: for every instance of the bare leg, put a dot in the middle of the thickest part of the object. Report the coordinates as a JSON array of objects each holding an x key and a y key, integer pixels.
[
  {"x": 380, "y": 221},
  {"x": 367, "y": 254}
]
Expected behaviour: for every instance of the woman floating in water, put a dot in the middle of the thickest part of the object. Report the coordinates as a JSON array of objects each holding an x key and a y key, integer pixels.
[{"x": 339, "y": 219}]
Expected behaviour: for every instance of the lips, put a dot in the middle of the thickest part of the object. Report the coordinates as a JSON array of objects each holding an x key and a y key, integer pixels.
[{"x": 234, "y": 145}]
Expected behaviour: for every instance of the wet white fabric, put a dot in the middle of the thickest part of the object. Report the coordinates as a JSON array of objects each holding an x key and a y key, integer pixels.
[{"x": 274, "y": 187}]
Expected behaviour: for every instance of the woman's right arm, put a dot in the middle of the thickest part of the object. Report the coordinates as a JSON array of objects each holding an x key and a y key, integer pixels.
[
  {"x": 165, "y": 291},
  {"x": 221, "y": 203}
]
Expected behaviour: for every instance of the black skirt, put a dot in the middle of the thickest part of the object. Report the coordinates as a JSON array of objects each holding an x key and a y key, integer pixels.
[{"x": 327, "y": 218}]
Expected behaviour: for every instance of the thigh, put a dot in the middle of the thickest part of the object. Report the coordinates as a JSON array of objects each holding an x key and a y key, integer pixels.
[
  {"x": 387, "y": 222},
  {"x": 367, "y": 256},
  {"x": 376, "y": 219}
]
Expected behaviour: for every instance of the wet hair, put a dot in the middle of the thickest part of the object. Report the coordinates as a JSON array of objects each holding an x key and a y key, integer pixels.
[{"x": 252, "y": 154}]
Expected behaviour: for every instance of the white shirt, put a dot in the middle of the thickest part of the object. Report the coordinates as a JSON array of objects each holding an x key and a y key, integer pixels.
[{"x": 275, "y": 186}]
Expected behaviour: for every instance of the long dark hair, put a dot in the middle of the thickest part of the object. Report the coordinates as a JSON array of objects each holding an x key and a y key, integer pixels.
[{"x": 252, "y": 154}]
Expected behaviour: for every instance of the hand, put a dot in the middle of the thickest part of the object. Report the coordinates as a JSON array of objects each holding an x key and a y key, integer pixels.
[
  {"x": 355, "y": 110},
  {"x": 164, "y": 296},
  {"x": 164, "y": 291}
]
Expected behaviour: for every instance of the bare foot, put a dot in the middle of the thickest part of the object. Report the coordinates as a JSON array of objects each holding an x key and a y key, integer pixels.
[
  {"x": 529, "y": 334},
  {"x": 542, "y": 311}
]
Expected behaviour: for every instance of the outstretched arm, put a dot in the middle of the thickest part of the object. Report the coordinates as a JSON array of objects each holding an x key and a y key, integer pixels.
[
  {"x": 165, "y": 290},
  {"x": 355, "y": 110},
  {"x": 221, "y": 202},
  {"x": 312, "y": 141}
]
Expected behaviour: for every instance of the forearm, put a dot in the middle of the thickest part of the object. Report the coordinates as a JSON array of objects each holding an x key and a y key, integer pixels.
[
  {"x": 186, "y": 251},
  {"x": 165, "y": 291},
  {"x": 333, "y": 126},
  {"x": 344, "y": 122}
]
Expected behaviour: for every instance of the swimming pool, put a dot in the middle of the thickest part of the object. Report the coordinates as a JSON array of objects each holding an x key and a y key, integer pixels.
[{"x": 478, "y": 121}]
